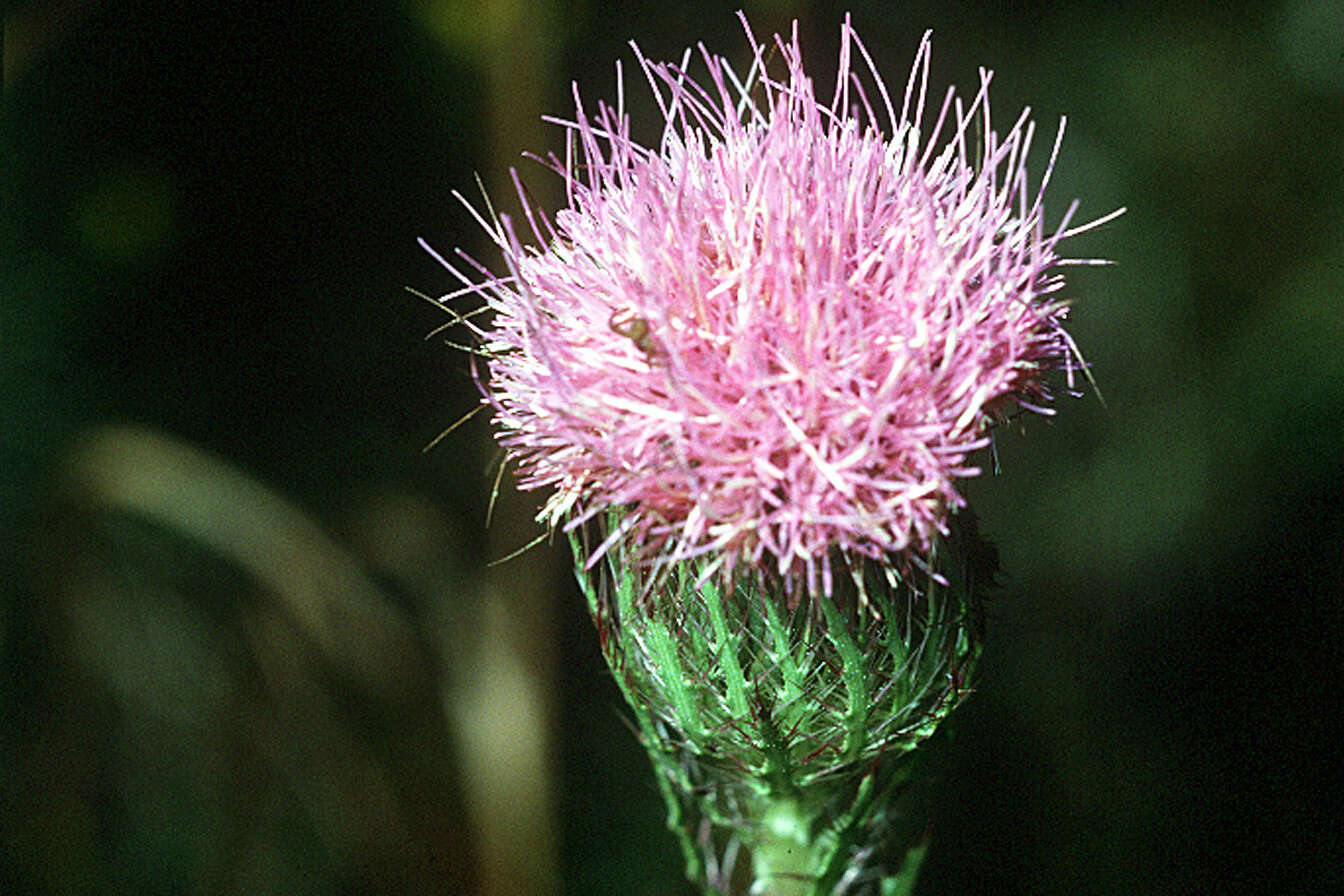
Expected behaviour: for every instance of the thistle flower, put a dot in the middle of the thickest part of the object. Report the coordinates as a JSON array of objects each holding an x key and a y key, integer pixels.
[
  {"x": 764, "y": 350},
  {"x": 778, "y": 336}
]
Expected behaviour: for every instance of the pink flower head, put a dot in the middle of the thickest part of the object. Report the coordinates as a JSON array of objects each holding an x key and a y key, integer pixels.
[{"x": 780, "y": 335}]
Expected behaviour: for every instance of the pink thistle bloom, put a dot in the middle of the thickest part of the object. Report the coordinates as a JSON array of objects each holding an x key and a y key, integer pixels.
[{"x": 779, "y": 336}]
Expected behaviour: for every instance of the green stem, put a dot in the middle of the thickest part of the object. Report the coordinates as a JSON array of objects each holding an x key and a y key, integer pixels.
[{"x": 783, "y": 857}]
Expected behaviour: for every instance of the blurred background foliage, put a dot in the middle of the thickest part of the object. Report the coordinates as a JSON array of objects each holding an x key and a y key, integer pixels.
[{"x": 250, "y": 642}]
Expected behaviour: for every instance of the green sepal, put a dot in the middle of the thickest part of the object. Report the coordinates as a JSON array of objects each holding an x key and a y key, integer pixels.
[{"x": 783, "y": 729}]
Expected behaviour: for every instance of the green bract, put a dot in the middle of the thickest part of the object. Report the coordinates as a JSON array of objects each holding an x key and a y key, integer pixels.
[{"x": 784, "y": 728}]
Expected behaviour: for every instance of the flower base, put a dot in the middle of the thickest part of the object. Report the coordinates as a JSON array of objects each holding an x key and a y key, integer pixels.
[{"x": 782, "y": 731}]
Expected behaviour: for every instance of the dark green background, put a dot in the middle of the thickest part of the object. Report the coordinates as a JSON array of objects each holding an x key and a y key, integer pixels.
[{"x": 210, "y": 214}]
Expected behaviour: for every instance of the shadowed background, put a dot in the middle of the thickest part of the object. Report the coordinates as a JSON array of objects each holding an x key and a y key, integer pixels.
[{"x": 249, "y": 639}]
